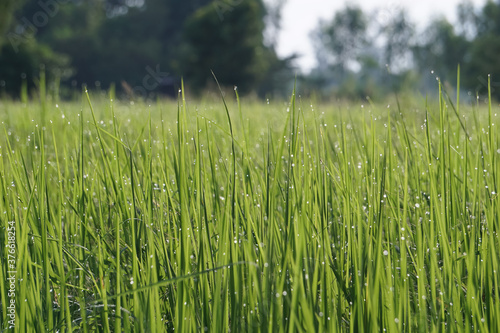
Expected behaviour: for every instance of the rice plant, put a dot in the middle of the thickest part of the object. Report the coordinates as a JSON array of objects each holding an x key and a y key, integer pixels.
[{"x": 235, "y": 215}]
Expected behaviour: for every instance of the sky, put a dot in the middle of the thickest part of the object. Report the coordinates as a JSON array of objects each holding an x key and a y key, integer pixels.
[{"x": 300, "y": 17}]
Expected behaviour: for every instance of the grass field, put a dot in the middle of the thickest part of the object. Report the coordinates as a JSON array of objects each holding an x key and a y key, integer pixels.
[{"x": 272, "y": 217}]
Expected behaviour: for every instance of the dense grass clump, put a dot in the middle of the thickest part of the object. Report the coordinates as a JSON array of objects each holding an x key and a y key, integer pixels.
[{"x": 205, "y": 216}]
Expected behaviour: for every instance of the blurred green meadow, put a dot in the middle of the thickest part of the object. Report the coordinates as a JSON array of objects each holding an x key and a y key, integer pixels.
[{"x": 221, "y": 214}]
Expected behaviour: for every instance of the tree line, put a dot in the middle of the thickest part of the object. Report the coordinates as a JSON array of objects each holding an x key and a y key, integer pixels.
[
  {"x": 366, "y": 54},
  {"x": 146, "y": 46}
]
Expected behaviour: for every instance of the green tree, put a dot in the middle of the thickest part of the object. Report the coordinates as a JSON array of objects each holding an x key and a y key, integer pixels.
[
  {"x": 230, "y": 43},
  {"x": 397, "y": 33},
  {"x": 340, "y": 42},
  {"x": 467, "y": 20},
  {"x": 6, "y": 9},
  {"x": 485, "y": 50},
  {"x": 21, "y": 55},
  {"x": 441, "y": 50}
]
